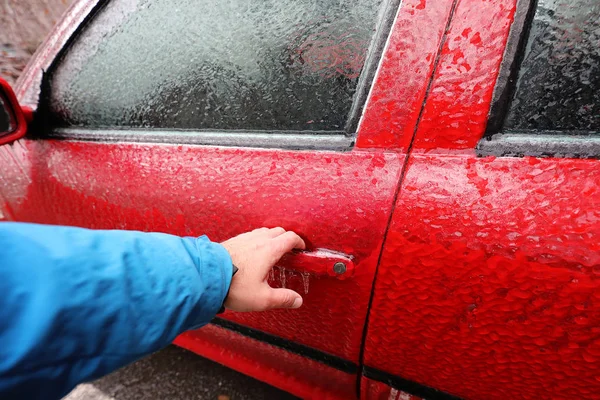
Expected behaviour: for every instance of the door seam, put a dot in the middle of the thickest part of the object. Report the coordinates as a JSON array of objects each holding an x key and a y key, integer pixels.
[{"x": 398, "y": 190}]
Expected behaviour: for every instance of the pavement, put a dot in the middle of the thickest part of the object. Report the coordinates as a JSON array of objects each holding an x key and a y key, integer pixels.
[{"x": 174, "y": 374}]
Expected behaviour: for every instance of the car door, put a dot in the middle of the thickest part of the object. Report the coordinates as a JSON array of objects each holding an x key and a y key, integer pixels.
[
  {"x": 488, "y": 284},
  {"x": 219, "y": 117}
]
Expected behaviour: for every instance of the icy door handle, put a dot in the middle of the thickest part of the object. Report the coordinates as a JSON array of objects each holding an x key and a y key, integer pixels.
[{"x": 319, "y": 262}]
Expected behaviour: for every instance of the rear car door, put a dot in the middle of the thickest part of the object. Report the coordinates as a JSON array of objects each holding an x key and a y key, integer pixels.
[
  {"x": 488, "y": 286},
  {"x": 219, "y": 117}
]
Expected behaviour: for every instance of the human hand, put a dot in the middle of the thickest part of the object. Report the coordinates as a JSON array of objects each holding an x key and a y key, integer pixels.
[{"x": 255, "y": 253}]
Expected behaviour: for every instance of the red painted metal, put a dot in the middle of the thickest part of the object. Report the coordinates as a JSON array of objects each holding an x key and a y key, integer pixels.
[
  {"x": 397, "y": 95},
  {"x": 456, "y": 110},
  {"x": 17, "y": 113},
  {"x": 319, "y": 262},
  {"x": 374, "y": 390},
  {"x": 291, "y": 372},
  {"x": 193, "y": 190},
  {"x": 489, "y": 283},
  {"x": 28, "y": 114},
  {"x": 487, "y": 287}
]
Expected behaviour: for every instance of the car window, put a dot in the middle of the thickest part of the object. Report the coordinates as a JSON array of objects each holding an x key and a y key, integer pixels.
[
  {"x": 558, "y": 82},
  {"x": 268, "y": 65}
]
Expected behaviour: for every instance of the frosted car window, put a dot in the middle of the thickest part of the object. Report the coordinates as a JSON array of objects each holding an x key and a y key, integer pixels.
[
  {"x": 558, "y": 86},
  {"x": 216, "y": 65}
]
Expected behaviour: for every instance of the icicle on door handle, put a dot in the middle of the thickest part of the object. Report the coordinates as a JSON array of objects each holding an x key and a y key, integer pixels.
[{"x": 320, "y": 262}]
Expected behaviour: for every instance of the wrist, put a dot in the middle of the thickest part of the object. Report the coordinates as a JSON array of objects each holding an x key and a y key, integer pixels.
[{"x": 234, "y": 270}]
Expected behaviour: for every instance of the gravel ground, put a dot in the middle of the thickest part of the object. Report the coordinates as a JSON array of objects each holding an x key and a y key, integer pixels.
[{"x": 12, "y": 61}]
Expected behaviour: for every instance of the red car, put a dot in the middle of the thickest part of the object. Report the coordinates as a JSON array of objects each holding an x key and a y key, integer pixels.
[{"x": 439, "y": 157}]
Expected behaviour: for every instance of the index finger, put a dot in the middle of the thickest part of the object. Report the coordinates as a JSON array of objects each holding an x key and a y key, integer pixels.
[{"x": 287, "y": 242}]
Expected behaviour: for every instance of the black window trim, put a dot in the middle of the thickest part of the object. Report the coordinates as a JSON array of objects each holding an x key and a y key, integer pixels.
[
  {"x": 293, "y": 140},
  {"x": 501, "y": 142},
  {"x": 289, "y": 140},
  {"x": 383, "y": 29}
]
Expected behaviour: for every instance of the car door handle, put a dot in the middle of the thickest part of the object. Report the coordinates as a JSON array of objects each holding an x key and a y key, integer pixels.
[{"x": 320, "y": 262}]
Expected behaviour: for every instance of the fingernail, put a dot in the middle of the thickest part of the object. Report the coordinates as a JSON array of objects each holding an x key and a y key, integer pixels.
[{"x": 297, "y": 302}]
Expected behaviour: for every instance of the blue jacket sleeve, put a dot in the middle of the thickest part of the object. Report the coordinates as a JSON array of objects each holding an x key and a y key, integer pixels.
[{"x": 76, "y": 304}]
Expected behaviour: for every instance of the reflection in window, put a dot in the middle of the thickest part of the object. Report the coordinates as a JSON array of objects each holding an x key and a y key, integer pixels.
[{"x": 558, "y": 85}]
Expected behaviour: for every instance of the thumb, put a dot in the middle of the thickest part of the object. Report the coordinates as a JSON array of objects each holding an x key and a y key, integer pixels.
[{"x": 283, "y": 298}]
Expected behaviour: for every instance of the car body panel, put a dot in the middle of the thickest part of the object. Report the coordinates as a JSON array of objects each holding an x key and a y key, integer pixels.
[
  {"x": 396, "y": 99},
  {"x": 458, "y": 103},
  {"x": 487, "y": 287},
  {"x": 338, "y": 201},
  {"x": 289, "y": 371}
]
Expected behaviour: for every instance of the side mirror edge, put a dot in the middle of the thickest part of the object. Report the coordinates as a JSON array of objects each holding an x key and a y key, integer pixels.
[
  {"x": 28, "y": 114},
  {"x": 18, "y": 117}
]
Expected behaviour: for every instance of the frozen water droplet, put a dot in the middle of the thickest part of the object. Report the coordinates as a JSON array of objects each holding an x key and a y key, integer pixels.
[
  {"x": 282, "y": 277},
  {"x": 305, "y": 281}
]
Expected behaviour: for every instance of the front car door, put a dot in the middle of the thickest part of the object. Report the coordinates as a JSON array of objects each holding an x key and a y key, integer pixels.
[
  {"x": 489, "y": 283},
  {"x": 218, "y": 117}
]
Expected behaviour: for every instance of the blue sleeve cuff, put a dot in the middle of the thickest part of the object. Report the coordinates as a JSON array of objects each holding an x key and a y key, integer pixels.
[{"x": 215, "y": 268}]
